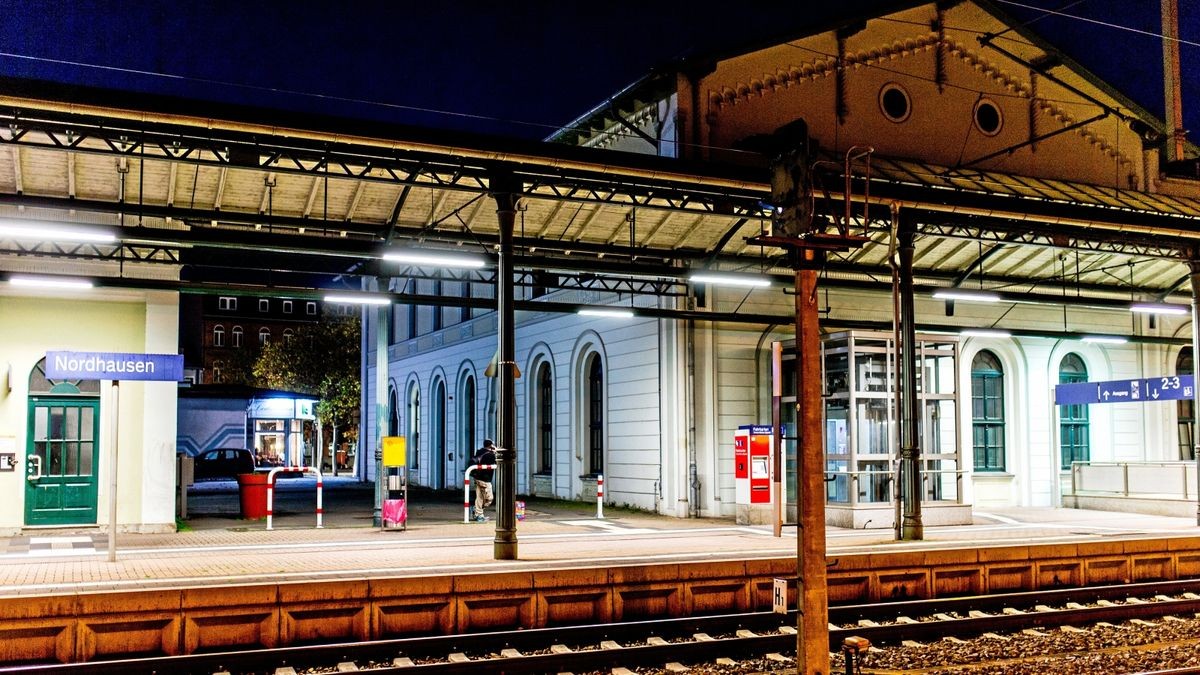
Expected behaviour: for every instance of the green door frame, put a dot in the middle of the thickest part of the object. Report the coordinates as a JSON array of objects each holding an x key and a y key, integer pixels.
[{"x": 62, "y": 461}]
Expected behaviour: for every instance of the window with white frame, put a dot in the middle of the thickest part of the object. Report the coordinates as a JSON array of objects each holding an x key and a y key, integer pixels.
[
  {"x": 226, "y": 303},
  {"x": 237, "y": 336},
  {"x": 287, "y": 306},
  {"x": 218, "y": 336},
  {"x": 264, "y": 305},
  {"x": 264, "y": 336}
]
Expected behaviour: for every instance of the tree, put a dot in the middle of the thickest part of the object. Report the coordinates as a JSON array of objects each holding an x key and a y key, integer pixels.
[{"x": 322, "y": 360}]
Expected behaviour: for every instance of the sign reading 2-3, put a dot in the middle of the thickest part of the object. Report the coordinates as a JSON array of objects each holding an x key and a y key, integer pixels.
[{"x": 1170, "y": 388}]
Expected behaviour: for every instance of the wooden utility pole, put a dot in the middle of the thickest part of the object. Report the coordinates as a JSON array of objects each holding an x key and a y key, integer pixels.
[{"x": 796, "y": 230}]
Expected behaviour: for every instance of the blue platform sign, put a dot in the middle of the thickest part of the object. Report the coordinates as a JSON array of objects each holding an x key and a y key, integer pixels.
[
  {"x": 1147, "y": 390},
  {"x": 113, "y": 366}
]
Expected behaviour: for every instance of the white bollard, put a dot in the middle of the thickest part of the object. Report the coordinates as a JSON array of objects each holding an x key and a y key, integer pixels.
[{"x": 600, "y": 496}]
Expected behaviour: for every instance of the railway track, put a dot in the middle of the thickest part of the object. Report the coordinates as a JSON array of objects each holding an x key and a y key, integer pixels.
[{"x": 685, "y": 641}]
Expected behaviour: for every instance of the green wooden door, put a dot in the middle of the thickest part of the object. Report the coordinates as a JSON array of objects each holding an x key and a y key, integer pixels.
[{"x": 61, "y": 461}]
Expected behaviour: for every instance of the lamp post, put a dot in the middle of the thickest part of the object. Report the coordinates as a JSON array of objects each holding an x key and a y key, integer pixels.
[{"x": 506, "y": 190}]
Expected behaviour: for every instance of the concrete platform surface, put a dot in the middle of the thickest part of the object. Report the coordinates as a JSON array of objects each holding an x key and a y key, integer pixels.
[{"x": 216, "y": 547}]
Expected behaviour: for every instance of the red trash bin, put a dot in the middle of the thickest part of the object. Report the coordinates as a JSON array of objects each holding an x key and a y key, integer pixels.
[{"x": 252, "y": 489}]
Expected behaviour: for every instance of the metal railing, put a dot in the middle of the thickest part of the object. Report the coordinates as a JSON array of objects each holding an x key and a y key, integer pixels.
[
  {"x": 1134, "y": 479},
  {"x": 884, "y": 480}
]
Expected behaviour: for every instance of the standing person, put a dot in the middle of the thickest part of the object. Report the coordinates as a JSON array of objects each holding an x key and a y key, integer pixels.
[{"x": 483, "y": 479}]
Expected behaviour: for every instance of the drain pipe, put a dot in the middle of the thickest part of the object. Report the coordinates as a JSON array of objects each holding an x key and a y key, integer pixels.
[{"x": 693, "y": 477}]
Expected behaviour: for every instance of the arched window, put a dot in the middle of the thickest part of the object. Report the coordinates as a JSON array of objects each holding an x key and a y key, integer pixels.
[
  {"x": 595, "y": 415},
  {"x": 1073, "y": 419},
  {"x": 414, "y": 426},
  {"x": 545, "y": 420},
  {"x": 264, "y": 336},
  {"x": 466, "y": 416},
  {"x": 218, "y": 336},
  {"x": 438, "y": 429},
  {"x": 393, "y": 412},
  {"x": 237, "y": 336},
  {"x": 1185, "y": 408},
  {"x": 987, "y": 412},
  {"x": 287, "y": 336}
]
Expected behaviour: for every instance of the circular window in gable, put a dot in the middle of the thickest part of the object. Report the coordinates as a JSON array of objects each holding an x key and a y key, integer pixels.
[
  {"x": 988, "y": 119},
  {"x": 894, "y": 102}
]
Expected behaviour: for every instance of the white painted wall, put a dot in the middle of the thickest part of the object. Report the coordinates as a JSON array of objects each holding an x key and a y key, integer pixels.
[{"x": 109, "y": 320}]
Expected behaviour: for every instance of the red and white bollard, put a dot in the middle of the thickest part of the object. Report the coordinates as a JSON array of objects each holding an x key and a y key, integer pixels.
[
  {"x": 467, "y": 488},
  {"x": 271, "y": 492},
  {"x": 600, "y": 495}
]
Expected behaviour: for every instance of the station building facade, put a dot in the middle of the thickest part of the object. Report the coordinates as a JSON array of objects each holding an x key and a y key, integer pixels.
[
  {"x": 74, "y": 427},
  {"x": 654, "y": 404}
]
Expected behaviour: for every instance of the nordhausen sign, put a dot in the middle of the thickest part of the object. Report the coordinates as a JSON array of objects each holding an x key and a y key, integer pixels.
[
  {"x": 1172, "y": 388},
  {"x": 113, "y": 366}
]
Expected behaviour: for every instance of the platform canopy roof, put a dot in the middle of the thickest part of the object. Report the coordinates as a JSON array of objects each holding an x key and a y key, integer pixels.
[{"x": 271, "y": 203}]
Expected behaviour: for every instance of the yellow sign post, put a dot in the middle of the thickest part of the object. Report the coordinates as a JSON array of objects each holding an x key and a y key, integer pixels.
[{"x": 395, "y": 451}]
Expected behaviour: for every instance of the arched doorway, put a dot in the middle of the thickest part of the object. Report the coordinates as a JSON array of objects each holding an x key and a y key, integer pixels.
[
  {"x": 437, "y": 428},
  {"x": 466, "y": 421},
  {"x": 63, "y": 450},
  {"x": 413, "y": 431}
]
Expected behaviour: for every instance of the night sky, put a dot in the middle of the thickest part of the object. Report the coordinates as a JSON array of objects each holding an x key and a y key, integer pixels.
[{"x": 520, "y": 68}]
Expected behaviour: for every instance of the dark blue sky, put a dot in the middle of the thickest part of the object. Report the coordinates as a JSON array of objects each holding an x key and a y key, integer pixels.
[{"x": 519, "y": 68}]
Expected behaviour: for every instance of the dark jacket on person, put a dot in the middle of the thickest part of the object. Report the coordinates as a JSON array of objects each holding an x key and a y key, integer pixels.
[{"x": 485, "y": 455}]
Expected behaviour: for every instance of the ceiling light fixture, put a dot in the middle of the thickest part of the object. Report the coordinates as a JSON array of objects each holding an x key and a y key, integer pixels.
[
  {"x": 51, "y": 282},
  {"x": 985, "y": 332},
  {"x": 608, "y": 313},
  {"x": 1106, "y": 339},
  {"x": 1158, "y": 308},
  {"x": 53, "y": 232},
  {"x": 363, "y": 299},
  {"x": 434, "y": 258},
  {"x": 967, "y": 296},
  {"x": 730, "y": 279}
]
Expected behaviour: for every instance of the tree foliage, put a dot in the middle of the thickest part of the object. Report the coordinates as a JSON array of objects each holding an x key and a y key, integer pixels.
[{"x": 322, "y": 360}]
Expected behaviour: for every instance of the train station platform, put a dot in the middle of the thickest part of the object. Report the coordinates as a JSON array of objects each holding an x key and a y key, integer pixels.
[
  {"x": 216, "y": 547},
  {"x": 224, "y": 583}
]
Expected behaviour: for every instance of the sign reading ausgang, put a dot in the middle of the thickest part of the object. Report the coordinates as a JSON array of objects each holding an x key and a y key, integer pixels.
[
  {"x": 113, "y": 366},
  {"x": 1172, "y": 388}
]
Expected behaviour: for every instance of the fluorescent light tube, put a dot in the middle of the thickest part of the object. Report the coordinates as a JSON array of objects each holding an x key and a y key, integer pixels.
[
  {"x": 968, "y": 296},
  {"x": 359, "y": 299},
  {"x": 730, "y": 279},
  {"x": 50, "y": 282},
  {"x": 435, "y": 258},
  {"x": 610, "y": 313},
  {"x": 1106, "y": 339},
  {"x": 54, "y": 232},
  {"x": 1157, "y": 308},
  {"x": 985, "y": 332}
]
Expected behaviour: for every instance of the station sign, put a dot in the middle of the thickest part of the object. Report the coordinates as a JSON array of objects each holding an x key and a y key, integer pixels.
[
  {"x": 113, "y": 366},
  {"x": 1145, "y": 390}
]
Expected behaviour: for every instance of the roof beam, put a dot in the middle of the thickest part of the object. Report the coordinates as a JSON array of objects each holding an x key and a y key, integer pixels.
[
  {"x": 220, "y": 188},
  {"x": 171, "y": 176},
  {"x": 71, "y": 175},
  {"x": 359, "y": 188},
  {"x": 19, "y": 183}
]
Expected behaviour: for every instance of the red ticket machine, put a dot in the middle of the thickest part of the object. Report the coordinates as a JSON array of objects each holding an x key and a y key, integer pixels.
[{"x": 752, "y": 448}]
